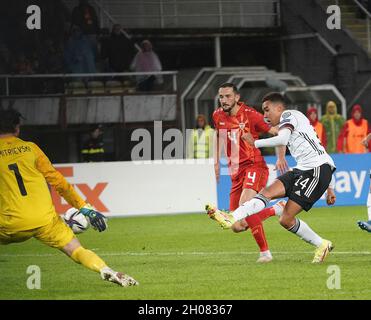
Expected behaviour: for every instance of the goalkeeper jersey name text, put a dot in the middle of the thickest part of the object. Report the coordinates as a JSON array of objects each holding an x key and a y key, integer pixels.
[{"x": 14, "y": 151}]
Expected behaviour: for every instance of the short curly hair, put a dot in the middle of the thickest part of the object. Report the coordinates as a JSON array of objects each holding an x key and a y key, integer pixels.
[{"x": 9, "y": 120}]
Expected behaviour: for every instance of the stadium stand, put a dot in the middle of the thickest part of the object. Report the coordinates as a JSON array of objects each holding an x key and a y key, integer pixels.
[{"x": 259, "y": 45}]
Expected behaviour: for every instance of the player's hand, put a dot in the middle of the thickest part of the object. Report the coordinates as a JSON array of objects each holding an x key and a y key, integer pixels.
[
  {"x": 248, "y": 138},
  {"x": 273, "y": 131},
  {"x": 281, "y": 165},
  {"x": 97, "y": 220},
  {"x": 330, "y": 197}
]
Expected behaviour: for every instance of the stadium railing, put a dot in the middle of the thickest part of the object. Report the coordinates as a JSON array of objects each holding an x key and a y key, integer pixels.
[
  {"x": 164, "y": 14},
  {"x": 82, "y": 83},
  {"x": 368, "y": 23}
]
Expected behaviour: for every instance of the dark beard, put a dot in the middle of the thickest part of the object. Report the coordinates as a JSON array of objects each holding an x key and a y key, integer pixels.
[{"x": 229, "y": 109}]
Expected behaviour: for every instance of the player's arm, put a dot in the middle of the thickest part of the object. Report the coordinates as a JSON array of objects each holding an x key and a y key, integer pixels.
[
  {"x": 280, "y": 140},
  {"x": 287, "y": 125},
  {"x": 217, "y": 149},
  {"x": 55, "y": 179},
  {"x": 217, "y": 154},
  {"x": 281, "y": 164}
]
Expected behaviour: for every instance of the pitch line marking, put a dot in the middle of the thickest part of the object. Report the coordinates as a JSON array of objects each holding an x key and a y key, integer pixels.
[{"x": 190, "y": 253}]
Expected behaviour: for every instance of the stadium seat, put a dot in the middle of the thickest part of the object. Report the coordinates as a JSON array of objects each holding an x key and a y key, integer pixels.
[
  {"x": 113, "y": 86},
  {"x": 96, "y": 87},
  {"x": 76, "y": 87},
  {"x": 129, "y": 87}
]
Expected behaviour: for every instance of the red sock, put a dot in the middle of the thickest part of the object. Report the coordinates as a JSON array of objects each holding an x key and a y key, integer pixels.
[
  {"x": 263, "y": 215},
  {"x": 257, "y": 231},
  {"x": 266, "y": 213}
]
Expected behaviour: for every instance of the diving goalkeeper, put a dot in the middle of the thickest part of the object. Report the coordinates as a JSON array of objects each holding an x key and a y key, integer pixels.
[{"x": 26, "y": 208}]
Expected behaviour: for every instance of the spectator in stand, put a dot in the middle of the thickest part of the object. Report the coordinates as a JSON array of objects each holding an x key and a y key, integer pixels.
[
  {"x": 78, "y": 53},
  {"x": 85, "y": 17},
  {"x": 93, "y": 149},
  {"x": 118, "y": 50},
  {"x": 51, "y": 58},
  {"x": 200, "y": 145},
  {"x": 146, "y": 61},
  {"x": 5, "y": 61},
  {"x": 354, "y": 131},
  {"x": 312, "y": 115},
  {"x": 23, "y": 65},
  {"x": 332, "y": 122}
]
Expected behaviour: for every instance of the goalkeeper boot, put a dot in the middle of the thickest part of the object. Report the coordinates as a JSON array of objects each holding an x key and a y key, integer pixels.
[
  {"x": 224, "y": 219},
  {"x": 365, "y": 225},
  {"x": 322, "y": 251},
  {"x": 117, "y": 277}
]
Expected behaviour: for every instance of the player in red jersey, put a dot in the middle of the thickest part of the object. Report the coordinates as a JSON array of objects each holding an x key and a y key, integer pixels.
[{"x": 247, "y": 167}]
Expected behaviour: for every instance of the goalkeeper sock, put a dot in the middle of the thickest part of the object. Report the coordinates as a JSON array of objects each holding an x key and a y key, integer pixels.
[
  {"x": 88, "y": 259},
  {"x": 257, "y": 231}
]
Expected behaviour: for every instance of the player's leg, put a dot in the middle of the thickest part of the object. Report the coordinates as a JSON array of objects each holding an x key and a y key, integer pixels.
[
  {"x": 93, "y": 262},
  {"x": 298, "y": 227},
  {"x": 260, "y": 201},
  {"x": 58, "y": 235},
  {"x": 8, "y": 237},
  {"x": 248, "y": 194},
  {"x": 220, "y": 216},
  {"x": 304, "y": 191},
  {"x": 256, "y": 177},
  {"x": 253, "y": 206},
  {"x": 255, "y": 224}
]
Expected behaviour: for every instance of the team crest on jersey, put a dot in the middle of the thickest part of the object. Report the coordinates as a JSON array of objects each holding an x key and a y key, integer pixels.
[
  {"x": 286, "y": 115},
  {"x": 241, "y": 125}
]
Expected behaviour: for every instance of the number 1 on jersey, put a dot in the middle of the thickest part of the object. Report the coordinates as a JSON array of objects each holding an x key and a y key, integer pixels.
[{"x": 22, "y": 188}]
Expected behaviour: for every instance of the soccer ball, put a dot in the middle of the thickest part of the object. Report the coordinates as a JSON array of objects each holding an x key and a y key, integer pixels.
[{"x": 76, "y": 221}]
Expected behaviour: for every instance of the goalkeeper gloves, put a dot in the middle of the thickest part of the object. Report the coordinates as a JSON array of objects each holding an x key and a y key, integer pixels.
[{"x": 96, "y": 219}]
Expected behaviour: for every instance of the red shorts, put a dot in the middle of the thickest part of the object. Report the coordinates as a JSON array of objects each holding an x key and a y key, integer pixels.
[{"x": 253, "y": 177}]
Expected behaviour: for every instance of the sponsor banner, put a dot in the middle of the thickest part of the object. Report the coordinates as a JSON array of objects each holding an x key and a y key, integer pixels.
[
  {"x": 151, "y": 187},
  {"x": 352, "y": 180}
]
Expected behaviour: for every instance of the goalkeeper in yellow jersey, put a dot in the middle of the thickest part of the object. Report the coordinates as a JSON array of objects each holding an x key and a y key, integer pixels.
[{"x": 26, "y": 208}]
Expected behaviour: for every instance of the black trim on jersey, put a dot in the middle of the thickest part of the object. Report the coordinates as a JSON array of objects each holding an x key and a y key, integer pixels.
[
  {"x": 311, "y": 142},
  {"x": 287, "y": 126}
]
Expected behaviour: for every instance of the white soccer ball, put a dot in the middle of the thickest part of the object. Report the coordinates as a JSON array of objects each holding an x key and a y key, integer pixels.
[{"x": 76, "y": 221}]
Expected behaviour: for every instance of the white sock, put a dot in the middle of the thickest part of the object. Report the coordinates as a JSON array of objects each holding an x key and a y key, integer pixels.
[
  {"x": 255, "y": 205},
  {"x": 304, "y": 232},
  {"x": 369, "y": 205}
]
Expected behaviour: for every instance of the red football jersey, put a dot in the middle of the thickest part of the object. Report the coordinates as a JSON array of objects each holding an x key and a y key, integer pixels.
[{"x": 230, "y": 128}]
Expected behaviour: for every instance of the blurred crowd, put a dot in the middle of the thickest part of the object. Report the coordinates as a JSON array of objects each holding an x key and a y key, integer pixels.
[
  {"x": 339, "y": 135},
  {"x": 72, "y": 42}
]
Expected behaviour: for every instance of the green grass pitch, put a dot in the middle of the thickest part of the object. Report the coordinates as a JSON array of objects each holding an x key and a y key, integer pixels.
[{"x": 190, "y": 257}]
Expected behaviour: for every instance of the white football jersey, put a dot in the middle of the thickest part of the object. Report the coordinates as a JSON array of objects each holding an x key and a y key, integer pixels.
[{"x": 304, "y": 144}]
